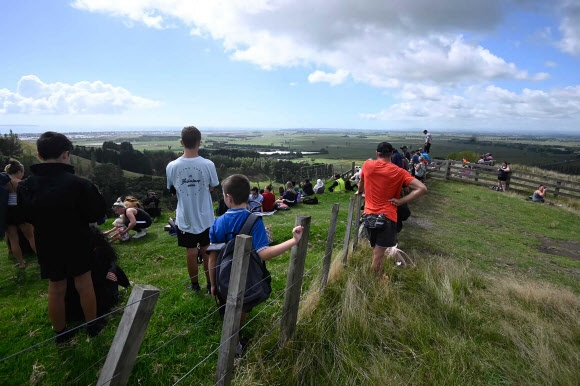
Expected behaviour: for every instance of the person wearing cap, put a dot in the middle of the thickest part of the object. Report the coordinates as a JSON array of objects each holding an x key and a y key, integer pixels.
[
  {"x": 406, "y": 153},
  {"x": 53, "y": 199},
  {"x": 151, "y": 205},
  {"x": 192, "y": 179},
  {"x": 134, "y": 219},
  {"x": 381, "y": 184}
]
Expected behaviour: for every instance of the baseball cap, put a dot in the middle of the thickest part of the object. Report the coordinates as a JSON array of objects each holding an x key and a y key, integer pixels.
[{"x": 384, "y": 148}]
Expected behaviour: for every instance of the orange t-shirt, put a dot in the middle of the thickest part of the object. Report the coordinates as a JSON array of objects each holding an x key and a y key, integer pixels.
[{"x": 383, "y": 181}]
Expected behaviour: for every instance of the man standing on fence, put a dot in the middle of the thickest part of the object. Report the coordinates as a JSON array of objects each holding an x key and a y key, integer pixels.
[
  {"x": 381, "y": 183},
  {"x": 192, "y": 178}
]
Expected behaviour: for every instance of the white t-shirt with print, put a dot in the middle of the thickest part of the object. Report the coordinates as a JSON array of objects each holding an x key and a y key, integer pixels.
[{"x": 192, "y": 178}]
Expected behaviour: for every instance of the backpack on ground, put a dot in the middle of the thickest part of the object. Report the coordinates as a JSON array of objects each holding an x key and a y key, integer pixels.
[
  {"x": 310, "y": 200},
  {"x": 258, "y": 282}
]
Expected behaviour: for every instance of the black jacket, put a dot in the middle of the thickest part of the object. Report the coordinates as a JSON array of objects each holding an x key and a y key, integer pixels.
[{"x": 60, "y": 205}]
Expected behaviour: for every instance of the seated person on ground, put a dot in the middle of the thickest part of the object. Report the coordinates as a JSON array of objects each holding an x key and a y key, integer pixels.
[
  {"x": 151, "y": 205},
  {"x": 338, "y": 185},
  {"x": 539, "y": 194},
  {"x": 116, "y": 231},
  {"x": 289, "y": 196},
  {"x": 319, "y": 187},
  {"x": 255, "y": 200},
  {"x": 236, "y": 189},
  {"x": 269, "y": 200},
  {"x": 106, "y": 277},
  {"x": 307, "y": 189}
]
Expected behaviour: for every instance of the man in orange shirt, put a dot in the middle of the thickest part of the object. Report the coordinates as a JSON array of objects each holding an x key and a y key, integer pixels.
[{"x": 381, "y": 182}]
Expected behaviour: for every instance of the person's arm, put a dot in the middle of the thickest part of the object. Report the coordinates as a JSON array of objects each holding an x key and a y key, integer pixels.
[
  {"x": 276, "y": 250},
  {"x": 418, "y": 189},
  {"x": 109, "y": 231},
  {"x": 132, "y": 220}
]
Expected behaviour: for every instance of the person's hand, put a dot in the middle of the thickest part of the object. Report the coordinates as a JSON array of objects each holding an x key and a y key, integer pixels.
[
  {"x": 297, "y": 233},
  {"x": 395, "y": 201}
]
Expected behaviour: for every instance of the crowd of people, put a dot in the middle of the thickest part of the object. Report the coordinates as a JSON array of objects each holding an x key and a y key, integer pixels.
[{"x": 82, "y": 273}]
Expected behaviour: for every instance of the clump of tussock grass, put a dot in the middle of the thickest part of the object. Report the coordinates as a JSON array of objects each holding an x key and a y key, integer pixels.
[{"x": 443, "y": 322}]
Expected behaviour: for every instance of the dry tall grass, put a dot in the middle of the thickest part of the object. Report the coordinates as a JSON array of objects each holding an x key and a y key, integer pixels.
[{"x": 440, "y": 323}]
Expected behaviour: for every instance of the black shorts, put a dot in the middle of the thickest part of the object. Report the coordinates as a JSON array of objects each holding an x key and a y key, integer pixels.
[
  {"x": 385, "y": 237},
  {"x": 71, "y": 266},
  {"x": 190, "y": 240},
  {"x": 502, "y": 178},
  {"x": 14, "y": 216}
]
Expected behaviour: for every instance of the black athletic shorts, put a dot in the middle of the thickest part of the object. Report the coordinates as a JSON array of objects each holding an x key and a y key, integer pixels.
[
  {"x": 385, "y": 237},
  {"x": 190, "y": 240},
  {"x": 14, "y": 215},
  {"x": 64, "y": 267}
]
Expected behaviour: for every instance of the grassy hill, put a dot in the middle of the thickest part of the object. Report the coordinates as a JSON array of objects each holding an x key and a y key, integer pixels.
[{"x": 494, "y": 300}]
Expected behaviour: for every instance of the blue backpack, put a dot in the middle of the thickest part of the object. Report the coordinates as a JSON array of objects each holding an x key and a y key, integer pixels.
[{"x": 258, "y": 282}]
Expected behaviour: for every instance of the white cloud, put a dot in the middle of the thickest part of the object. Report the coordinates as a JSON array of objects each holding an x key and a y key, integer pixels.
[
  {"x": 480, "y": 104},
  {"x": 379, "y": 43},
  {"x": 549, "y": 63},
  {"x": 570, "y": 27},
  {"x": 333, "y": 79},
  {"x": 33, "y": 96}
]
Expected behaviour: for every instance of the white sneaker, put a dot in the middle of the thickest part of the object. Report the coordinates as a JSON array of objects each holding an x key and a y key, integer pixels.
[{"x": 140, "y": 233}]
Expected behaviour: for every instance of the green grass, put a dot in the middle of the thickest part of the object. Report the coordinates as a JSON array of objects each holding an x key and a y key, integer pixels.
[{"x": 483, "y": 306}]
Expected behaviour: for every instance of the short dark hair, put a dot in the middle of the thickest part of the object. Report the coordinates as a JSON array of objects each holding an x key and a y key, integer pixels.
[
  {"x": 51, "y": 145},
  {"x": 255, "y": 189},
  {"x": 13, "y": 167},
  {"x": 190, "y": 136},
  {"x": 425, "y": 131},
  {"x": 238, "y": 187},
  {"x": 385, "y": 149}
]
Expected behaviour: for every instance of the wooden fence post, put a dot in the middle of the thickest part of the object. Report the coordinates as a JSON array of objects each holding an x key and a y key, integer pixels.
[
  {"x": 557, "y": 189},
  {"x": 329, "y": 245},
  {"x": 129, "y": 336},
  {"x": 234, "y": 302},
  {"x": 348, "y": 230},
  {"x": 476, "y": 174},
  {"x": 294, "y": 282},
  {"x": 356, "y": 222},
  {"x": 448, "y": 169}
]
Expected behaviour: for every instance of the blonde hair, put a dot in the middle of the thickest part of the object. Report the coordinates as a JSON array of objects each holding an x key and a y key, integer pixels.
[
  {"x": 132, "y": 202},
  {"x": 13, "y": 167},
  {"x": 289, "y": 186}
]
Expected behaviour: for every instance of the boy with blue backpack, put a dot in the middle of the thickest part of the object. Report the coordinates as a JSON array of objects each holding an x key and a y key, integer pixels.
[{"x": 236, "y": 189}]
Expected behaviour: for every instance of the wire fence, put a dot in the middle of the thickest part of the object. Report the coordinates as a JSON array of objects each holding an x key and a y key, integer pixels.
[{"x": 186, "y": 331}]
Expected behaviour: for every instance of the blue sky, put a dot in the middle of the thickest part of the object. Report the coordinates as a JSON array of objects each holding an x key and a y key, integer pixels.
[{"x": 403, "y": 64}]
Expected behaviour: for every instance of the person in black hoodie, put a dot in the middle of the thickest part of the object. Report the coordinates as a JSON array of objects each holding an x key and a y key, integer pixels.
[{"x": 53, "y": 199}]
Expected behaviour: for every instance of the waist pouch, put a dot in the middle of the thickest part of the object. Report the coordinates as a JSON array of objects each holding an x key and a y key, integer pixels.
[{"x": 374, "y": 221}]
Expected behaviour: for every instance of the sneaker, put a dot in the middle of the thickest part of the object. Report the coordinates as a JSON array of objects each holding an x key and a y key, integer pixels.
[
  {"x": 194, "y": 287},
  {"x": 64, "y": 336},
  {"x": 95, "y": 327},
  {"x": 140, "y": 233}
]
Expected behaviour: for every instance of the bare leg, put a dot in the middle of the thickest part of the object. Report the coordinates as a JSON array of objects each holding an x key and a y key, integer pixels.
[
  {"x": 84, "y": 286},
  {"x": 28, "y": 231},
  {"x": 205, "y": 257},
  {"x": 191, "y": 256},
  {"x": 56, "y": 306},
  {"x": 12, "y": 235},
  {"x": 378, "y": 256}
]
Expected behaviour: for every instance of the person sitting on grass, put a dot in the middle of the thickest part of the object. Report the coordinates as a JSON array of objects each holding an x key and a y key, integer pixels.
[
  {"x": 540, "y": 194},
  {"x": 319, "y": 187},
  {"x": 255, "y": 200},
  {"x": 118, "y": 232},
  {"x": 236, "y": 188},
  {"x": 269, "y": 201},
  {"x": 134, "y": 219},
  {"x": 307, "y": 189},
  {"x": 288, "y": 196}
]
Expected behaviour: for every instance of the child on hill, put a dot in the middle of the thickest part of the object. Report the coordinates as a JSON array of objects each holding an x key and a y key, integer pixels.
[
  {"x": 118, "y": 231},
  {"x": 236, "y": 189}
]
